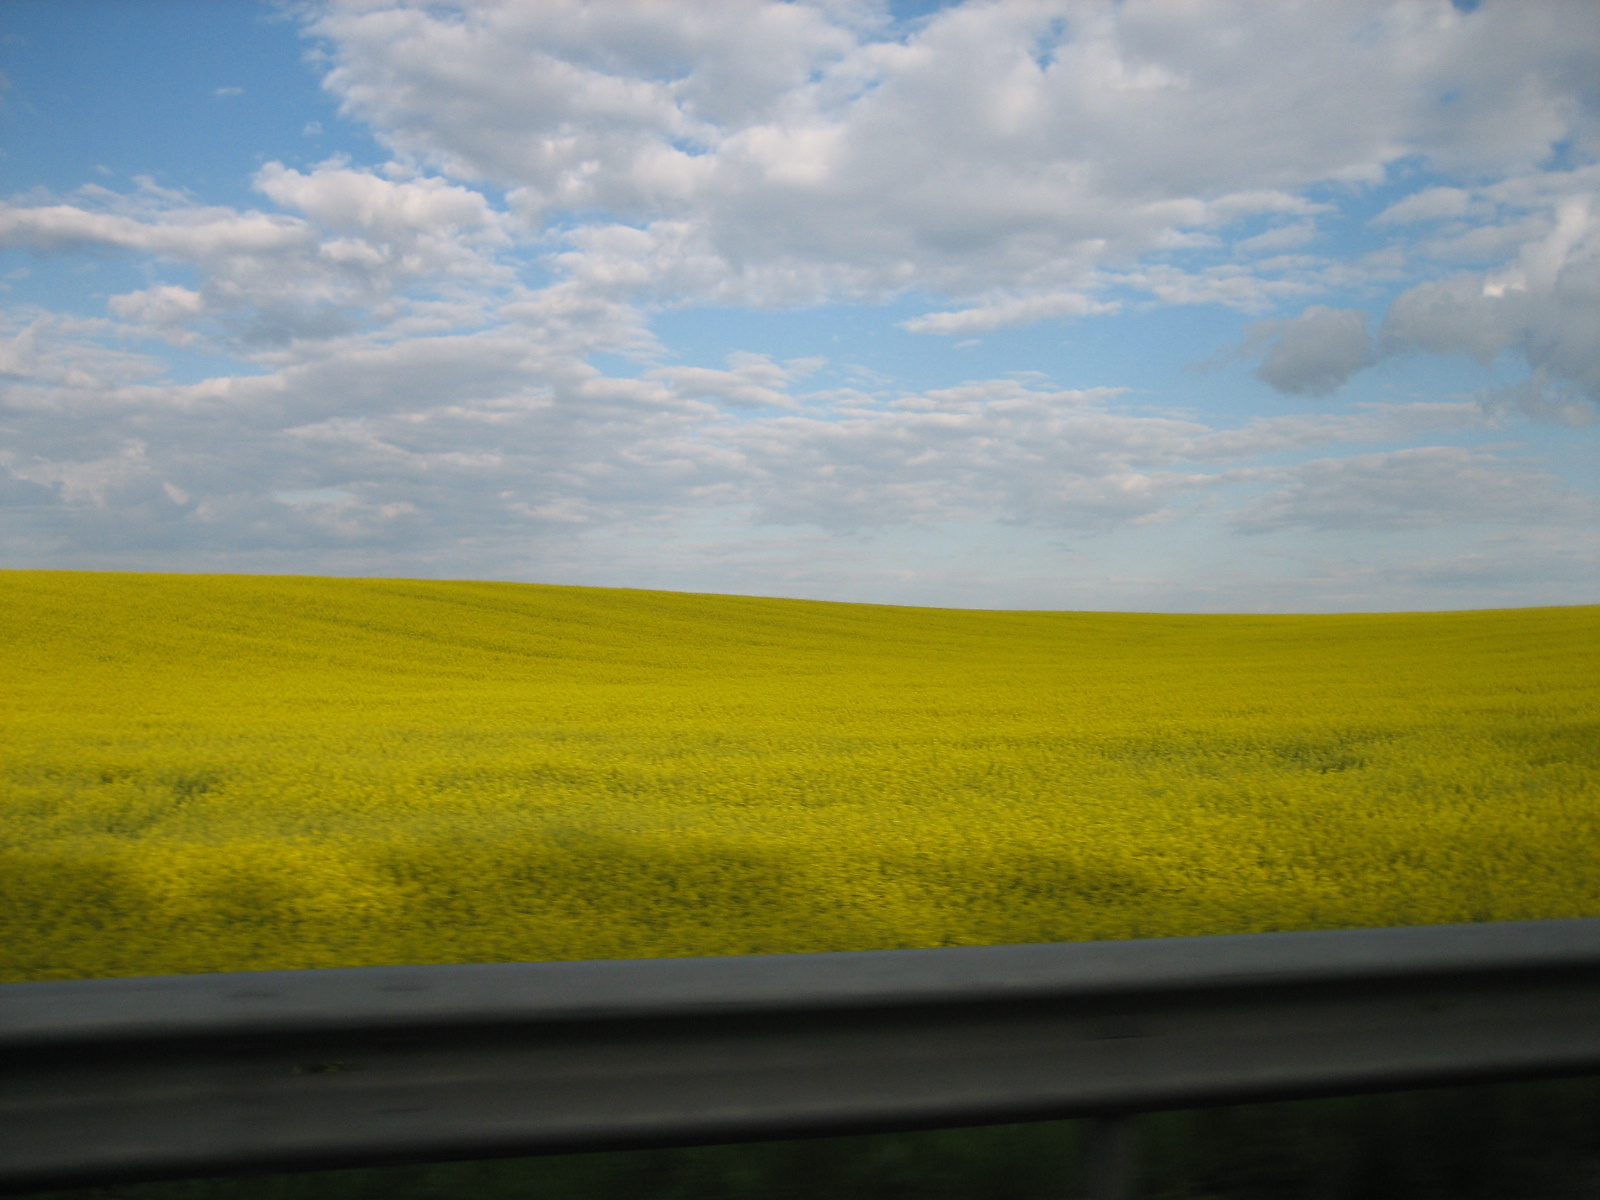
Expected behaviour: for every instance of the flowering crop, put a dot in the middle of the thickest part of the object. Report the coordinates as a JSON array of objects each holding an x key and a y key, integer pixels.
[{"x": 212, "y": 773}]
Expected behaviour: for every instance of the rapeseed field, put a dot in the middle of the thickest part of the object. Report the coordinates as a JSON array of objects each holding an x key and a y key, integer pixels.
[{"x": 212, "y": 773}]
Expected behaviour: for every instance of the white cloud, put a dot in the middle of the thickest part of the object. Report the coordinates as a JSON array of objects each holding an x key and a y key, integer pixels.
[
  {"x": 1250, "y": 288},
  {"x": 271, "y": 280},
  {"x": 995, "y": 449},
  {"x": 423, "y": 396},
  {"x": 752, "y": 381},
  {"x": 43, "y": 352},
  {"x": 188, "y": 233},
  {"x": 1275, "y": 241},
  {"x": 992, "y": 316},
  {"x": 787, "y": 153},
  {"x": 502, "y": 452},
  {"x": 1430, "y": 204},
  {"x": 507, "y": 433},
  {"x": 418, "y": 216},
  {"x": 1543, "y": 305},
  {"x": 165, "y": 311}
]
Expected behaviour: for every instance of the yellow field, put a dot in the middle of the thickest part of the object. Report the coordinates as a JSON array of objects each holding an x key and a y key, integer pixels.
[{"x": 209, "y": 773}]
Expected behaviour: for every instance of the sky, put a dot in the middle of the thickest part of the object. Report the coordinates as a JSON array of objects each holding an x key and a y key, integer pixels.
[{"x": 1157, "y": 305}]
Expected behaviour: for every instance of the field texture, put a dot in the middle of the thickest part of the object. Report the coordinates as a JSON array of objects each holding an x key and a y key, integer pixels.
[{"x": 210, "y": 773}]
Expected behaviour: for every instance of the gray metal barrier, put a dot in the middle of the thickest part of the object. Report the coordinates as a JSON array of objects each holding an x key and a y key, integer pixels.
[{"x": 118, "y": 1080}]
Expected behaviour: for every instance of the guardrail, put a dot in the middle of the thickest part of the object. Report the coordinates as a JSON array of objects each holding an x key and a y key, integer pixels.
[{"x": 118, "y": 1080}]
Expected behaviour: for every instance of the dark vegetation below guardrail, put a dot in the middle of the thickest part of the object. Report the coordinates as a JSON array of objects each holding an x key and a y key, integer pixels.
[{"x": 1522, "y": 1141}]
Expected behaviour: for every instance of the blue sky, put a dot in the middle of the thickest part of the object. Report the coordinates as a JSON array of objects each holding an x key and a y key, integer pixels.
[{"x": 1221, "y": 306}]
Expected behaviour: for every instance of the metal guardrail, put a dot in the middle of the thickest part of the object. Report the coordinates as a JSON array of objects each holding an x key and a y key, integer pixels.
[{"x": 117, "y": 1080}]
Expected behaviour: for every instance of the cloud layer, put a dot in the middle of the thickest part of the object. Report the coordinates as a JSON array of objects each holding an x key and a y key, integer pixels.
[{"x": 415, "y": 342}]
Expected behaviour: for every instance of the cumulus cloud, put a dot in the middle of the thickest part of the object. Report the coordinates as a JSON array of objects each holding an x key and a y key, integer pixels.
[
  {"x": 422, "y": 337},
  {"x": 1537, "y": 298},
  {"x": 428, "y": 219},
  {"x": 512, "y": 436},
  {"x": 166, "y": 311},
  {"x": 1022, "y": 157},
  {"x": 43, "y": 352},
  {"x": 1313, "y": 354},
  {"x": 187, "y": 232},
  {"x": 1543, "y": 305},
  {"x": 497, "y": 447},
  {"x": 752, "y": 380},
  {"x": 789, "y": 153},
  {"x": 394, "y": 446},
  {"x": 270, "y": 279}
]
